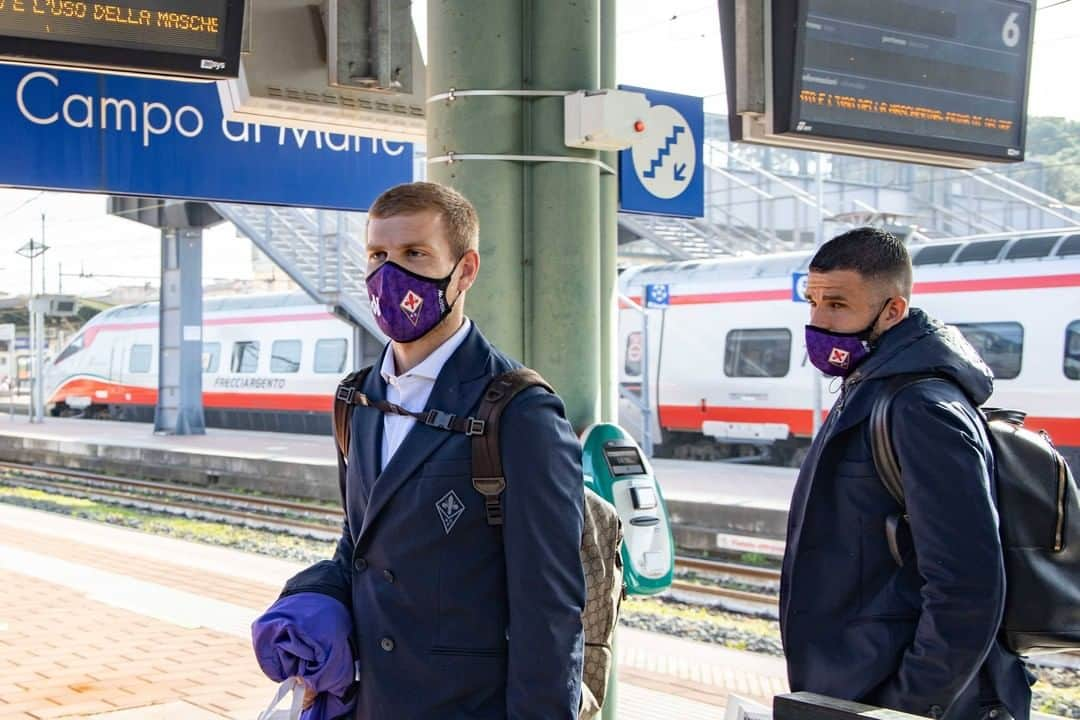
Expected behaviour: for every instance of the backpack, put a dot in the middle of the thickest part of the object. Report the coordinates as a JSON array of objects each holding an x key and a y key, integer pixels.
[
  {"x": 1038, "y": 505},
  {"x": 601, "y": 539}
]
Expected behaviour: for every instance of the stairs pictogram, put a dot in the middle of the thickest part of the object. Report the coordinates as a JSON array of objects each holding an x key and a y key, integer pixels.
[{"x": 664, "y": 151}]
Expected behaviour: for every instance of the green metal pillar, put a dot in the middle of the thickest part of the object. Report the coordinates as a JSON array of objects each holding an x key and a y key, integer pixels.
[
  {"x": 477, "y": 45},
  {"x": 609, "y": 233},
  {"x": 562, "y": 209}
]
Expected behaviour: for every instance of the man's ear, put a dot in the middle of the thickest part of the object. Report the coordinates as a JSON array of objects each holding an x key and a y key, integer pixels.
[
  {"x": 470, "y": 267},
  {"x": 896, "y": 311}
]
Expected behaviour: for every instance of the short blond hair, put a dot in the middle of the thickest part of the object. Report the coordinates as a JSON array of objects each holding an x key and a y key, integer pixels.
[{"x": 459, "y": 217}]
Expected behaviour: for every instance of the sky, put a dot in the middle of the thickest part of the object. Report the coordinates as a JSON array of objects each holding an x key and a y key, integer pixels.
[{"x": 672, "y": 45}]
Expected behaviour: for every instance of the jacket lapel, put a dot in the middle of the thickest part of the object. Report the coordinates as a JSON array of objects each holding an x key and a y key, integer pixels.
[
  {"x": 457, "y": 391},
  {"x": 370, "y": 427}
]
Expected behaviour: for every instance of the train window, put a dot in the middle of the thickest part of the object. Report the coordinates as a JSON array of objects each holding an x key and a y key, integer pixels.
[
  {"x": 1070, "y": 246},
  {"x": 245, "y": 356},
  {"x": 285, "y": 356},
  {"x": 211, "y": 356},
  {"x": 1072, "y": 350},
  {"x": 75, "y": 346},
  {"x": 757, "y": 353},
  {"x": 1032, "y": 247},
  {"x": 999, "y": 344},
  {"x": 330, "y": 355},
  {"x": 141, "y": 358},
  {"x": 632, "y": 364},
  {"x": 934, "y": 254},
  {"x": 984, "y": 251}
]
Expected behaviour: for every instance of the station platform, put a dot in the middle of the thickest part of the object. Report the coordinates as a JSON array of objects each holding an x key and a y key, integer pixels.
[
  {"x": 704, "y": 498},
  {"x": 109, "y": 623}
]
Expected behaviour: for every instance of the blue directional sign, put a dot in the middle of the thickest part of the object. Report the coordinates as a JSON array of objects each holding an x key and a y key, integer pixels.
[
  {"x": 114, "y": 134},
  {"x": 798, "y": 286},
  {"x": 663, "y": 172},
  {"x": 657, "y": 296}
]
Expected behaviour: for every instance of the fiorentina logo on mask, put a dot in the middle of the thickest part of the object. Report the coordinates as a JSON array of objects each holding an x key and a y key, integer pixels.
[
  {"x": 410, "y": 305},
  {"x": 839, "y": 358}
]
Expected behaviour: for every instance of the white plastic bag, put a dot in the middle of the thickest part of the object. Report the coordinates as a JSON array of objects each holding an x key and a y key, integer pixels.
[{"x": 296, "y": 687}]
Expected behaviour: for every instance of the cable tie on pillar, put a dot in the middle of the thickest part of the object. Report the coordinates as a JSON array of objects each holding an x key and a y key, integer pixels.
[
  {"x": 453, "y": 94},
  {"x": 452, "y": 157}
]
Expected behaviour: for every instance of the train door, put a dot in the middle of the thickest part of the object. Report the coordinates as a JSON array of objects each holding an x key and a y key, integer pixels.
[{"x": 632, "y": 363}]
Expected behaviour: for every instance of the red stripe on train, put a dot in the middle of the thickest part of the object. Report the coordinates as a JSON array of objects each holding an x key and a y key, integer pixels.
[
  {"x": 117, "y": 394},
  {"x": 1034, "y": 282},
  {"x": 1064, "y": 431}
]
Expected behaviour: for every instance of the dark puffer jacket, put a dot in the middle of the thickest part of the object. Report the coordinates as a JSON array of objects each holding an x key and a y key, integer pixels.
[{"x": 919, "y": 638}]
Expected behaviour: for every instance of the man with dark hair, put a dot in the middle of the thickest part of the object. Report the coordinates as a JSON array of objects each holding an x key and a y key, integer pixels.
[
  {"x": 452, "y": 617},
  {"x": 920, "y": 636}
]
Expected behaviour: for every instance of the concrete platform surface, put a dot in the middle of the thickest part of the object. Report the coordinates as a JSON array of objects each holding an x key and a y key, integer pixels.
[{"x": 101, "y": 621}]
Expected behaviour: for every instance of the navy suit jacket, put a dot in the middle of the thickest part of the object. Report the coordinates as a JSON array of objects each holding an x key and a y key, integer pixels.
[{"x": 453, "y": 618}]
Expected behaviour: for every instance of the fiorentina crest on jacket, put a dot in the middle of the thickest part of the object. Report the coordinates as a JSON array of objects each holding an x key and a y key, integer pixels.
[
  {"x": 410, "y": 305},
  {"x": 450, "y": 508}
]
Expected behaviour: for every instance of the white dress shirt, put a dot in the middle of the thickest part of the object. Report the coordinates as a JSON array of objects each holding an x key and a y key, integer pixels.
[{"x": 412, "y": 390}]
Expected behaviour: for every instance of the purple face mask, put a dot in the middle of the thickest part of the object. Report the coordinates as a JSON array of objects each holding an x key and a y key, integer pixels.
[
  {"x": 407, "y": 306},
  {"x": 836, "y": 353}
]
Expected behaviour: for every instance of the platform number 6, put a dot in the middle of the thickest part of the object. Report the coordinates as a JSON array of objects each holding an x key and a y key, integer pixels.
[{"x": 1010, "y": 31}]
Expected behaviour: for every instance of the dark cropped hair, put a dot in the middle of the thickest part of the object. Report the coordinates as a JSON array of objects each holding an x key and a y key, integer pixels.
[{"x": 875, "y": 254}]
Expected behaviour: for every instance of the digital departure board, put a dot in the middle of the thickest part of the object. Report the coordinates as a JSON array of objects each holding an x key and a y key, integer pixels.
[
  {"x": 936, "y": 81},
  {"x": 196, "y": 38}
]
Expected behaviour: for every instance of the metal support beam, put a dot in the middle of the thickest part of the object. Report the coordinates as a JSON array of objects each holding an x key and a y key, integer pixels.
[
  {"x": 609, "y": 240},
  {"x": 179, "y": 408},
  {"x": 179, "y": 405},
  {"x": 537, "y": 297},
  {"x": 480, "y": 46},
  {"x": 563, "y": 220}
]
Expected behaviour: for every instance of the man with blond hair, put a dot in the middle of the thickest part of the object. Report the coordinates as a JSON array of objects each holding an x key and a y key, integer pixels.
[{"x": 452, "y": 617}]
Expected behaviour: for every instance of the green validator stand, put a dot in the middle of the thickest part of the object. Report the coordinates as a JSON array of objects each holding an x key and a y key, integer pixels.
[{"x": 617, "y": 470}]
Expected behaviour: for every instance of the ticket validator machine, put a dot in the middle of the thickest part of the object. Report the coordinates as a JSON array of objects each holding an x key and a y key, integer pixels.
[{"x": 617, "y": 470}]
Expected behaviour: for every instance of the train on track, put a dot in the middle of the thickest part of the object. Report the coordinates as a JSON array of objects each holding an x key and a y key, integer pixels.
[
  {"x": 727, "y": 367},
  {"x": 728, "y": 374},
  {"x": 269, "y": 362}
]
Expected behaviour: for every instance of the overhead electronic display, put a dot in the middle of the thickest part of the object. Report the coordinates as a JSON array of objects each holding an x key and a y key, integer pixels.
[
  {"x": 193, "y": 38},
  {"x": 934, "y": 81}
]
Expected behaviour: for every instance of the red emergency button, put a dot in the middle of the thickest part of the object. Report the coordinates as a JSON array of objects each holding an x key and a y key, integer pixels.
[{"x": 639, "y": 126}]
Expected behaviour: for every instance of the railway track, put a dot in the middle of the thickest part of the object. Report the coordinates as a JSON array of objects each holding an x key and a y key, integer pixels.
[
  {"x": 272, "y": 513},
  {"x": 314, "y": 520},
  {"x": 746, "y": 574}
]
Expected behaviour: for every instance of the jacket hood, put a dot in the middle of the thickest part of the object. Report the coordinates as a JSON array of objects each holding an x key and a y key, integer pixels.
[{"x": 921, "y": 344}]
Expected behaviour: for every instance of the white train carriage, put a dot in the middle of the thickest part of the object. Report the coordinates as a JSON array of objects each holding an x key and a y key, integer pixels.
[
  {"x": 270, "y": 362},
  {"x": 727, "y": 359}
]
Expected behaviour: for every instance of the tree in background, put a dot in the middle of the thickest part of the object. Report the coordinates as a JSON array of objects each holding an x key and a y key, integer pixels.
[{"x": 1055, "y": 142}]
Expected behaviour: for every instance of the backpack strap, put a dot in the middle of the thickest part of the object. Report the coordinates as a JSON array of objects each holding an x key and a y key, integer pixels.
[
  {"x": 885, "y": 459},
  {"x": 487, "y": 467},
  {"x": 347, "y": 395}
]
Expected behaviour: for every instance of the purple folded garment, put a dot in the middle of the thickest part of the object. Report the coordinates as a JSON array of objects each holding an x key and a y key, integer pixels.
[{"x": 307, "y": 636}]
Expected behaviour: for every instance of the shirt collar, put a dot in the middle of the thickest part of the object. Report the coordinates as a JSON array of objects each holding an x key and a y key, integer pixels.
[{"x": 432, "y": 365}]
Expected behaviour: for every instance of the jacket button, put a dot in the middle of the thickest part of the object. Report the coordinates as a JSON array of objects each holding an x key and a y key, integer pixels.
[
  {"x": 388, "y": 575},
  {"x": 359, "y": 564},
  {"x": 387, "y": 644},
  {"x": 936, "y": 711}
]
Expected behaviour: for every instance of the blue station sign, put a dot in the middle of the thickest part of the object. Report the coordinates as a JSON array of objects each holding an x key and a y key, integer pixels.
[
  {"x": 663, "y": 172},
  {"x": 69, "y": 130}
]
